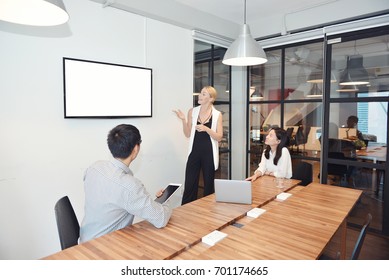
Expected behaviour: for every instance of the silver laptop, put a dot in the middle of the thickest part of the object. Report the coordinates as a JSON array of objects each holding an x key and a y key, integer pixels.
[{"x": 233, "y": 191}]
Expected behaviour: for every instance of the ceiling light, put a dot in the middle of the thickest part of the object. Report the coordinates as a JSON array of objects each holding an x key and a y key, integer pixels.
[
  {"x": 33, "y": 12},
  {"x": 355, "y": 73},
  {"x": 255, "y": 95},
  {"x": 252, "y": 90},
  {"x": 315, "y": 92},
  {"x": 348, "y": 88},
  {"x": 244, "y": 51},
  {"x": 256, "y": 98},
  {"x": 316, "y": 75}
]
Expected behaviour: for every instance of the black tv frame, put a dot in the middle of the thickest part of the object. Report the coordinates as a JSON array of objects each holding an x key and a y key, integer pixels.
[{"x": 148, "y": 72}]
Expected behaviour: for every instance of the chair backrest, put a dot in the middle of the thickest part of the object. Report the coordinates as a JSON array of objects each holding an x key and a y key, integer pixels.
[
  {"x": 301, "y": 136},
  {"x": 334, "y": 145},
  {"x": 303, "y": 172},
  {"x": 337, "y": 169},
  {"x": 361, "y": 238},
  {"x": 67, "y": 223},
  {"x": 289, "y": 133},
  {"x": 344, "y": 146}
]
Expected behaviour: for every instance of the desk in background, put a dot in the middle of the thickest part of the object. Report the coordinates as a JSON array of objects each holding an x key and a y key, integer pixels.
[{"x": 375, "y": 154}]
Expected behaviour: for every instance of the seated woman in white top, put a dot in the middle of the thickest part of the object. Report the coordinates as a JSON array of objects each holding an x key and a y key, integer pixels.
[{"x": 275, "y": 159}]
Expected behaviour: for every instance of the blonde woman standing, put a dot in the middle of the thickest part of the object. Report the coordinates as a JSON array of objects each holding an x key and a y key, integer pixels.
[{"x": 204, "y": 128}]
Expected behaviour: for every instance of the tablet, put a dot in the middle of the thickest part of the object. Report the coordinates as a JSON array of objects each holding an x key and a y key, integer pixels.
[{"x": 168, "y": 193}]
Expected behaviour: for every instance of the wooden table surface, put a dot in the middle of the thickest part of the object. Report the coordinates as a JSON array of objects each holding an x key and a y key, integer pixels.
[
  {"x": 187, "y": 225},
  {"x": 297, "y": 228}
]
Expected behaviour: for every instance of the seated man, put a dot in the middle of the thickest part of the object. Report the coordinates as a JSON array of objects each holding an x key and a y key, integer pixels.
[
  {"x": 352, "y": 122},
  {"x": 113, "y": 196}
]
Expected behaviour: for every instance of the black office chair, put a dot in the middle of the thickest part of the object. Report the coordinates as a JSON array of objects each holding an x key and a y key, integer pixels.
[
  {"x": 289, "y": 133},
  {"x": 301, "y": 137},
  {"x": 303, "y": 171},
  {"x": 296, "y": 138},
  {"x": 361, "y": 238},
  {"x": 337, "y": 169},
  {"x": 339, "y": 172},
  {"x": 67, "y": 223}
]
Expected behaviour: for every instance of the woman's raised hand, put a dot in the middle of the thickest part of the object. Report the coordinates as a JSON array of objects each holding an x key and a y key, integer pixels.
[{"x": 179, "y": 114}]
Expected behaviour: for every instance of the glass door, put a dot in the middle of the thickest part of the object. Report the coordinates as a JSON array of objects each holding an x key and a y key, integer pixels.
[{"x": 357, "y": 121}]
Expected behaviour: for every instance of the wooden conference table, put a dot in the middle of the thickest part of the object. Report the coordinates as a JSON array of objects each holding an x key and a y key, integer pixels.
[{"x": 297, "y": 228}]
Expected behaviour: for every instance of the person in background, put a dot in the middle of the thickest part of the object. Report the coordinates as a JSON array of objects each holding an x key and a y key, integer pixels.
[
  {"x": 352, "y": 122},
  {"x": 276, "y": 160},
  {"x": 113, "y": 196},
  {"x": 204, "y": 128}
]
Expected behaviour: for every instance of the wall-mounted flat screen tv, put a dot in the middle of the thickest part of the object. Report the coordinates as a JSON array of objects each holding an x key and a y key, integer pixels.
[{"x": 104, "y": 90}]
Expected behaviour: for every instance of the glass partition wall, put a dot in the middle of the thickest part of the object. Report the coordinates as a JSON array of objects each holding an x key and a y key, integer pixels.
[
  {"x": 311, "y": 89},
  {"x": 285, "y": 93},
  {"x": 209, "y": 70},
  {"x": 358, "y": 121}
]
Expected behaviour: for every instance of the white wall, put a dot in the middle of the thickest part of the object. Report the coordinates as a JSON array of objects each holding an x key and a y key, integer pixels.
[{"x": 42, "y": 155}]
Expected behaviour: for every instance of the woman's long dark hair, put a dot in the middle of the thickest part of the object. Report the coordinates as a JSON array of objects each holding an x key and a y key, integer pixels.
[{"x": 283, "y": 137}]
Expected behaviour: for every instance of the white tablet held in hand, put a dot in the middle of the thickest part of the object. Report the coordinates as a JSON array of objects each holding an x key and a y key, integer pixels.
[{"x": 168, "y": 193}]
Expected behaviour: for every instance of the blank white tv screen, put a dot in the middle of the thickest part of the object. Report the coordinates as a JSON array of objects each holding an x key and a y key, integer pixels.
[{"x": 103, "y": 90}]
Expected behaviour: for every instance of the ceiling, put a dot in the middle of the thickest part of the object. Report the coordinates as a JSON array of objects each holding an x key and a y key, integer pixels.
[
  {"x": 233, "y": 10},
  {"x": 224, "y": 18}
]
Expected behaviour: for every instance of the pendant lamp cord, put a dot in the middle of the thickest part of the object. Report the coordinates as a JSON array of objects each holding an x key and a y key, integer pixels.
[
  {"x": 244, "y": 11},
  {"x": 355, "y": 47}
]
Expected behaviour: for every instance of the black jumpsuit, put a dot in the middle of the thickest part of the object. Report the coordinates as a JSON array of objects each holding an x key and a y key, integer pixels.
[{"x": 200, "y": 158}]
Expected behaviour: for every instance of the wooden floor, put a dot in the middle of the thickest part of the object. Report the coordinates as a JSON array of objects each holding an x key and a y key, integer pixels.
[{"x": 375, "y": 246}]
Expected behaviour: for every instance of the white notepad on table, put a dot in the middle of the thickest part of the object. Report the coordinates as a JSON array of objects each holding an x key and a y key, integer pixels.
[
  {"x": 255, "y": 212},
  {"x": 213, "y": 237},
  {"x": 283, "y": 196}
]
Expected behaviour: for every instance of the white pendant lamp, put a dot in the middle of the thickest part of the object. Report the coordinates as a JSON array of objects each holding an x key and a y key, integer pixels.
[
  {"x": 244, "y": 51},
  {"x": 33, "y": 12}
]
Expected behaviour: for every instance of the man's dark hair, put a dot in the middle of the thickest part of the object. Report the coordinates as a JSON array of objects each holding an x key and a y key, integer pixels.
[
  {"x": 122, "y": 140},
  {"x": 353, "y": 119}
]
